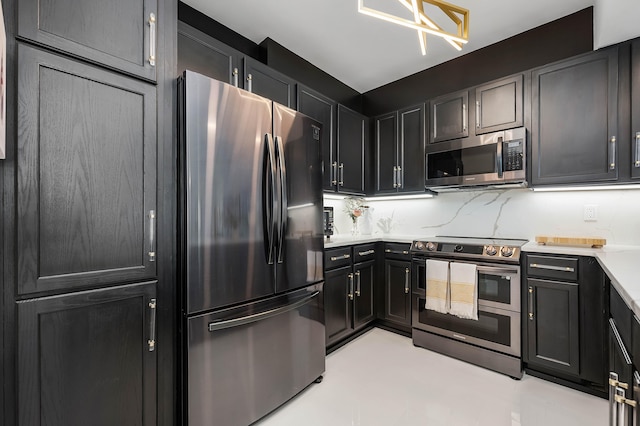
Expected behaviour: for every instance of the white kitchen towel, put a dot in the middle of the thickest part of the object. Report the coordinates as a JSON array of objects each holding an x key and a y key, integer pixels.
[
  {"x": 463, "y": 281},
  {"x": 437, "y": 286}
]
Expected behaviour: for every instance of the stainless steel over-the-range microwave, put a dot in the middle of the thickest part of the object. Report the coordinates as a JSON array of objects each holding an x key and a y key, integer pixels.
[{"x": 485, "y": 160}]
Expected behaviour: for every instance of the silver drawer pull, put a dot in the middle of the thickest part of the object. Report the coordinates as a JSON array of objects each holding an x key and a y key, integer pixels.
[
  {"x": 152, "y": 39},
  {"x": 396, "y": 251},
  {"x": 344, "y": 256},
  {"x": 365, "y": 253},
  {"x": 552, "y": 268}
]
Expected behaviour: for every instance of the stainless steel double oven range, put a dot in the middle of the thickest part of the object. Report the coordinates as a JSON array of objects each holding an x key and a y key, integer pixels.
[{"x": 492, "y": 341}]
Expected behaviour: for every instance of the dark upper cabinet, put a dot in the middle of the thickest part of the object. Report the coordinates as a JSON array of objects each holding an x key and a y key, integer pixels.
[
  {"x": 349, "y": 166},
  {"x": 322, "y": 109},
  {"x": 449, "y": 117},
  {"x": 498, "y": 105},
  {"x": 399, "y": 151},
  {"x": 119, "y": 34},
  {"x": 363, "y": 294},
  {"x": 88, "y": 358},
  {"x": 635, "y": 110},
  {"x": 574, "y": 120},
  {"x": 205, "y": 55},
  {"x": 267, "y": 82},
  {"x": 86, "y": 175}
]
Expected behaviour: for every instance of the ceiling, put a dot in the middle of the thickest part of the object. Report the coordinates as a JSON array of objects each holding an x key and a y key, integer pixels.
[{"x": 364, "y": 52}]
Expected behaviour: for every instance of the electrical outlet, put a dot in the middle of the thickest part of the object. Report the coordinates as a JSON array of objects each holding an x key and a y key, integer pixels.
[{"x": 590, "y": 212}]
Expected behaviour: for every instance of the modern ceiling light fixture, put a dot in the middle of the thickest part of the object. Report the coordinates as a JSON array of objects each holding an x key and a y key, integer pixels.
[{"x": 425, "y": 25}]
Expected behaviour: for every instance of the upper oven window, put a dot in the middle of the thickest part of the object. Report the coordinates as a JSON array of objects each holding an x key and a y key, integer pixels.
[
  {"x": 494, "y": 287},
  {"x": 476, "y": 160}
]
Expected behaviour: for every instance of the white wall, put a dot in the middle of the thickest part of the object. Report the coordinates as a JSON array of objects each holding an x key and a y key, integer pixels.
[{"x": 514, "y": 213}]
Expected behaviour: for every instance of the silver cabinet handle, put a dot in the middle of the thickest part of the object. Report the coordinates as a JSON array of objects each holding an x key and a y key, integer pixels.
[
  {"x": 400, "y": 181},
  {"x": 344, "y": 256},
  {"x": 334, "y": 173},
  {"x": 464, "y": 117},
  {"x": 395, "y": 176},
  {"x": 152, "y": 326},
  {"x": 435, "y": 116},
  {"x": 396, "y": 251},
  {"x": 636, "y": 163},
  {"x": 552, "y": 268},
  {"x": 358, "y": 283},
  {"x": 350, "y": 294},
  {"x": 530, "y": 303},
  {"x": 152, "y": 235},
  {"x": 477, "y": 114},
  {"x": 152, "y": 39},
  {"x": 366, "y": 253},
  {"x": 250, "y": 83},
  {"x": 235, "y": 77},
  {"x": 406, "y": 280},
  {"x": 341, "y": 167},
  {"x": 613, "y": 405},
  {"x": 612, "y": 153}
]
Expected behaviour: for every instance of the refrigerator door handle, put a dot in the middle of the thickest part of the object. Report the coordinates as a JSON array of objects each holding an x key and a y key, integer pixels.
[
  {"x": 270, "y": 203},
  {"x": 284, "y": 204},
  {"x": 235, "y": 322}
]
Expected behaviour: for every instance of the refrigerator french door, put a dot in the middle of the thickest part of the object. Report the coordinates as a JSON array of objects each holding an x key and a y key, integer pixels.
[{"x": 251, "y": 251}]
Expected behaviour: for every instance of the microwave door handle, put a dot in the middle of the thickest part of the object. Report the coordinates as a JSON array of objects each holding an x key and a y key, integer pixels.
[{"x": 499, "y": 158}]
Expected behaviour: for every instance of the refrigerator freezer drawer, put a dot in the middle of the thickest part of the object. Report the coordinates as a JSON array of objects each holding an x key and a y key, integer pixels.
[{"x": 244, "y": 362}]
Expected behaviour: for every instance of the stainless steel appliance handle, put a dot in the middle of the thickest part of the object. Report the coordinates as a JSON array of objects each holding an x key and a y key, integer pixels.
[
  {"x": 152, "y": 39},
  {"x": 530, "y": 303},
  {"x": 152, "y": 235},
  {"x": 235, "y": 322},
  {"x": 477, "y": 114},
  {"x": 623, "y": 404},
  {"x": 366, "y": 253},
  {"x": 493, "y": 270},
  {"x": 406, "y": 280},
  {"x": 350, "y": 294},
  {"x": 395, "y": 176},
  {"x": 344, "y": 256},
  {"x": 613, "y": 405},
  {"x": 341, "y": 167},
  {"x": 396, "y": 251},
  {"x": 552, "y": 267},
  {"x": 499, "y": 165},
  {"x": 270, "y": 210},
  {"x": 235, "y": 77},
  {"x": 334, "y": 173},
  {"x": 636, "y": 162},
  {"x": 152, "y": 326},
  {"x": 284, "y": 203},
  {"x": 250, "y": 83},
  {"x": 464, "y": 117},
  {"x": 358, "y": 283},
  {"x": 612, "y": 153}
]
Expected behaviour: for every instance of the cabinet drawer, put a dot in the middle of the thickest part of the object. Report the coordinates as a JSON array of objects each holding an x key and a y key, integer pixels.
[
  {"x": 397, "y": 251},
  {"x": 621, "y": 315},
  {"x": 564, "y": 268},
  {"x": 335, "y": 258},
  {"x": 364, "y": 252}
]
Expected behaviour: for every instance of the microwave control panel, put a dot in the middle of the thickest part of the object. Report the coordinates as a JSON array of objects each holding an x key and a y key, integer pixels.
[{"x": 513, "y": 155}]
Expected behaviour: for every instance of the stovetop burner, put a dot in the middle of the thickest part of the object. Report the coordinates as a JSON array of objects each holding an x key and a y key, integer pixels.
[{"x": 505, "y": 250}]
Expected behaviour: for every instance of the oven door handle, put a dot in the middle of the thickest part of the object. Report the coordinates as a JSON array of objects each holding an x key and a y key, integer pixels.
[{"x": 494, "y": 270}]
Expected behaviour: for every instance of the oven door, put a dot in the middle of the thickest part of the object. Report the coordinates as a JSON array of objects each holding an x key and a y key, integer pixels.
[{"x": 495, "y": 329}]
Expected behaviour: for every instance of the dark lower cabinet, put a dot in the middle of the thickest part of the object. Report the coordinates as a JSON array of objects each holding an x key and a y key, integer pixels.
[
  {"x": 397, "y": 295},
  {"x": 338, "y": 307},
  {"x": 635, "y": 109},
  {"x": 553, "y": 327},
  {"x": 621, "y": 377},
  {"x": 88, "y": 358},
  {"x": 363, "y": 295}
]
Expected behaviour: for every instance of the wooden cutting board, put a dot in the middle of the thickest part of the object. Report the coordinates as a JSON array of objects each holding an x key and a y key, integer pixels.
[{"x": 594, "y": 242}]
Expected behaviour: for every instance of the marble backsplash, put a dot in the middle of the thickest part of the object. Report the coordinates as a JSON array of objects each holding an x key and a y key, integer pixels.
[{"x": 513, "y": 213}]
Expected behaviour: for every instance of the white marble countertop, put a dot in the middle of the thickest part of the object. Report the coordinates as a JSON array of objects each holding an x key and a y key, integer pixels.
[{"x": 348, "y": 240}]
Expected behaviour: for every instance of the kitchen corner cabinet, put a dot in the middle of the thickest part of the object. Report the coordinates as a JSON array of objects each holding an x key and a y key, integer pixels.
[
  {"x": 323, "y": 110},
  {"x": 635, "y": 109},
  {"x": 399, "y": 146},
  {"x": 348, "y": 167},
  {"x": 396, "y": 300},
  {"x": 349, "y": 290},
  {"x": 574, "y": 131},
  {"x": 565, "y": 300},
  {"x": 118, "y": 34},
  {"x": 88, "y": 358},
  {"x": 86, "y": 175}
]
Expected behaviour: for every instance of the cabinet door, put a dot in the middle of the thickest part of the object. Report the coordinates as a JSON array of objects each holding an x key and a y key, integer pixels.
[
  {"x": 499, "y": 105},
  {"x": 86, "y": 358},
  {"x": 411, "y": 149},
  {"x": 351, "y": 151},
  {"x": 449, "y": 117},
  {"x": 553, "y": 332},
  {"x": 397, "y": 279},
  {"x": 322, "y": 109},
  {"x": 635, "y": 110},
  {"x": 386, "y": 127},
  {"x": 338, "y": 303},
  {"x": 205, "y": 55},
  {"x": 364, "y": 302},
  {"x": 86, "y": 175},
  {"x": 115, "y": 33},
  {"x": 267, "y": 82},
  {"x": 574, "y": 119}
]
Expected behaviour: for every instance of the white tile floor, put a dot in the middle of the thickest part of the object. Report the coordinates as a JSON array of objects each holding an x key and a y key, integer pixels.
[{"x": 381, "y": 379}]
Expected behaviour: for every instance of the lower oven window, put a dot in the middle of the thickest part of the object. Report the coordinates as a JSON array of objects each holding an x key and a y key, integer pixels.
[{"x": 489, "y": 327}]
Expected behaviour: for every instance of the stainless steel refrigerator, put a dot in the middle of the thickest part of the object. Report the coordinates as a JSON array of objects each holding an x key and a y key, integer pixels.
[{"x": 251, "y": 253}]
